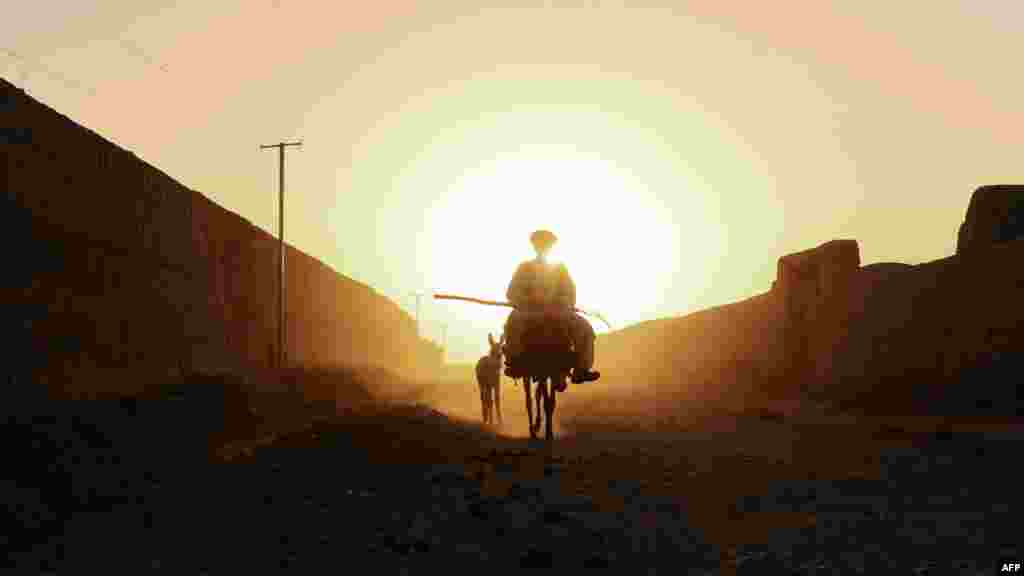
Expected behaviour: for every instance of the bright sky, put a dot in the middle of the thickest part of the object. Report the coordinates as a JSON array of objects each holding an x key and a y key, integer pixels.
[{"x": 677, "y": 151}]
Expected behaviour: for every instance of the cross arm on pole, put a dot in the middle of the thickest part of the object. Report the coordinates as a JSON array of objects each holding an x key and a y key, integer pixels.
[{"x": 280, "y": 145}]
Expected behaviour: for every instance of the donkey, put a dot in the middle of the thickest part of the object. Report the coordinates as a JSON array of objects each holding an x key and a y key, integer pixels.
[
  {"x": 546, "y": 366},
  {"x": 488, "y": 378},
  {"x": 545, "y": 392}
]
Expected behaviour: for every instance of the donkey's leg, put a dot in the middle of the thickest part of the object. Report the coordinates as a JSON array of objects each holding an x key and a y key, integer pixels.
[
  {"x": 490, "y": 405},
  {"x": 549, "y": 408},
  {"x": 539, "y": 397},
  {"x": 542, "y": 397},
  {"x": 485, "y": 402},
  {"x": 529, "y": 405},
  {"x": 497, "y": 401}
]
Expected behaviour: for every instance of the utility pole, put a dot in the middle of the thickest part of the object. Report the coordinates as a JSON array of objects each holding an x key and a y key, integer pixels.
[
  {"x": 419, "y": 297},
  {"x": 444, "y": 342},
  {"x": 282, "y": 357}
]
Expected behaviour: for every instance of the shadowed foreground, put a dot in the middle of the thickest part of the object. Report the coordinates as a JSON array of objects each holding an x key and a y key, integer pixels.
[{"x": 119, "y": 486}]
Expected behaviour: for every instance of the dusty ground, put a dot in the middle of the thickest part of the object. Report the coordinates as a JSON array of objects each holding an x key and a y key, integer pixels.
[{"x": 409, "y": 488}]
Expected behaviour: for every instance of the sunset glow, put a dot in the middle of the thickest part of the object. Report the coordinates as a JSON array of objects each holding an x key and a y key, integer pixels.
[
  {"x": 620, "y": 244},
  {"x": 676, "y": 149}
]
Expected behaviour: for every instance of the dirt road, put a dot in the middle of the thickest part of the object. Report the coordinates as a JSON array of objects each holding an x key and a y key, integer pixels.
[{"x": 406, "y": 489}]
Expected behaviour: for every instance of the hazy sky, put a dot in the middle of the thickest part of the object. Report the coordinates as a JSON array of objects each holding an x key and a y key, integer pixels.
[{"x": 678, "y": 148}]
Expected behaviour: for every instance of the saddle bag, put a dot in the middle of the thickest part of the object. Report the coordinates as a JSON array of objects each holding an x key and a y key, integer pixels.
[{"x": 547, "y": 348}]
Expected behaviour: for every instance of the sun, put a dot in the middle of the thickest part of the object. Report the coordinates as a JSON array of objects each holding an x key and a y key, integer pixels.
[
  {"x": 614, "y": 240},
  {"x": 634, "y": 230}
]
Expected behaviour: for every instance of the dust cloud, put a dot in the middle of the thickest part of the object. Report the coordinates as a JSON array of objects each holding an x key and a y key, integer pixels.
[{"x": 609, "y": 403}]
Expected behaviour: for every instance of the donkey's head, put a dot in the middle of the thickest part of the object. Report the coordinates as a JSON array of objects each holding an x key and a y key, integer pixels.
[{"x": 495, "y": 352}]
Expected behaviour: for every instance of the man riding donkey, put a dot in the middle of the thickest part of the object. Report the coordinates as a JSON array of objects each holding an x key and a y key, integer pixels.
[{"x": 540, "y": 288}]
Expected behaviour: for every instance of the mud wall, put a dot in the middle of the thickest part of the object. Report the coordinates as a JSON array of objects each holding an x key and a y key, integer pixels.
[
  {"x": 995, "y": 214},
  {"x": 946, "y": 335},
  {"x": 729, "y": 352},
  {"x": 120, "y": 276},
  {"x": 938, "y": 335},
  {"x": 776, "y": 344},
  {"x": 816, "y": 290}
]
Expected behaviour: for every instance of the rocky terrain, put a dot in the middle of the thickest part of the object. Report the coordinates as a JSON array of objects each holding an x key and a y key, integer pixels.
[{"x": 120, "y": 486}]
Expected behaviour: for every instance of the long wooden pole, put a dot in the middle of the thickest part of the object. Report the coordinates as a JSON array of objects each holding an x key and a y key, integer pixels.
[{"x": 511, "y": 305}]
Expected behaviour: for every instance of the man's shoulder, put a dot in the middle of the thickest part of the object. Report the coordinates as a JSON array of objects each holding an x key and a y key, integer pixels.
[{"x": 522, "y": 269}]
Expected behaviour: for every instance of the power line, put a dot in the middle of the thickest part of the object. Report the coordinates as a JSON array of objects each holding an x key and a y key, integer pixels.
[
  {"x": 54, "y": 75},
  {"x": 132, "y": 46},
  {"x": 444, "y": 342},
  {"x": 73, "y": 83}
]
